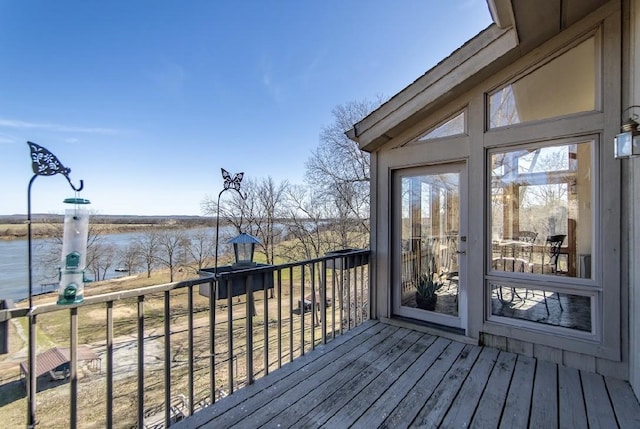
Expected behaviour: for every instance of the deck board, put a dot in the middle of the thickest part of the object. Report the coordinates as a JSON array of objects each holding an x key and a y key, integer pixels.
[
  {"x": 600, "y": 413},
  {"x": 544, "y": 404},
  {"x": 330, "y": 396},
  {"x": 517, "y": 407},
  {"x": 344, "y": 416},
  {"x": 434, "y": 410},
  {"x": 571, "y": 400},
  {"x": 495, "y": 393},
  {"x": 378, "y": 375},
  {"x": 406, "y": 411},
  {"x": 259, "y": 409},
  {"x": 464, "y": 406},
  {"x": 374, "y": 415}
]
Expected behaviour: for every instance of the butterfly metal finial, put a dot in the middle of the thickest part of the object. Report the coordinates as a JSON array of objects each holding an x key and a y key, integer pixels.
[
  {"x": 232, "y": 182},
  {"x": 44, "y": 163}
]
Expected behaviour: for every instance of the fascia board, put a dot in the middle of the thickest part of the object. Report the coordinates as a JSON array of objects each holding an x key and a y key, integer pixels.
[{"x": 476, "y": 55}]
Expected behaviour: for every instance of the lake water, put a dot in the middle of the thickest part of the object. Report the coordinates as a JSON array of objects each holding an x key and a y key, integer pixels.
[{"x": 14, "y": 278}]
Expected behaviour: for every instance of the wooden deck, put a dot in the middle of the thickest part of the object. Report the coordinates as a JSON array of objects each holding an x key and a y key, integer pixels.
[{"x": 384, "y": 376}]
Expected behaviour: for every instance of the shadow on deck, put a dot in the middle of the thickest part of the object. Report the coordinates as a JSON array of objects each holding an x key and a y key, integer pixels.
[{"x": 379, "y": 375}]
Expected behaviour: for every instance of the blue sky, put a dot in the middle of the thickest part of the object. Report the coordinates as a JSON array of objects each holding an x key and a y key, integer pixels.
[{"x": 146, "y": 100}]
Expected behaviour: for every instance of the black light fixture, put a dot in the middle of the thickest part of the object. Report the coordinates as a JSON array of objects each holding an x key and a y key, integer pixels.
[{"x": 243, "y": 247}]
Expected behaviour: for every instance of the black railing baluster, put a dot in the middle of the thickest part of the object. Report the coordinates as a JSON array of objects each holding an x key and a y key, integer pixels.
[
  {"x": 190, "y": 345},
  {"x": 141, "y": 361},
  {"x": 323, "y": 301},
  {"x": 348, "y": 281},
  {"x": 167, "y": 358},
  {"x": 249, "y": 309},
  {"x": 333, "y": 298},
  {"x": 73, "y": 357},
  {"x": 279, "y": 307},
  {"x": 227, "y": 285},
  {"x": 109, "y": 364},
  {"x": 212, "y": 342},
  {"x": 355, "y": 294},
  {"x": 290, "y": 314},
  {"x": 313, "y": 320},
  {"x": 303, "y": 305},
  {"x": 266, "y": 324}
]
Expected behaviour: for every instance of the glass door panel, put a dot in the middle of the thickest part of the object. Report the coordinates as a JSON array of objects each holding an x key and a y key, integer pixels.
[{"x": 428, "y": 269}]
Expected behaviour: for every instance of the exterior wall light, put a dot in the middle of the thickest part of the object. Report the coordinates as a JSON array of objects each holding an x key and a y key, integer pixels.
[
  {"x": 627, "y": 143},
  {"x": 74, "y": 252}
]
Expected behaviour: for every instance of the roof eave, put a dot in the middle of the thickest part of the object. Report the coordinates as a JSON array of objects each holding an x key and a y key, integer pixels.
[{"x": 467, "y": 65}]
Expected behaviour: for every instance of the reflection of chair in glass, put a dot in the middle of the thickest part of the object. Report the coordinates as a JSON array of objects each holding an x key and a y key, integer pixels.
[
  {"x": 553, "y": 244},
  {"x": 528, "y": 238}
]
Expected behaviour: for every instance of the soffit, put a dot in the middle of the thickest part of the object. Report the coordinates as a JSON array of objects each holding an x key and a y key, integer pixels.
[{"x": 540, "y": 20}]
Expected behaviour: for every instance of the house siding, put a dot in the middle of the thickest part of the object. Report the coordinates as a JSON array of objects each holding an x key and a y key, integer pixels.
[{"x": 611, "y": 357}]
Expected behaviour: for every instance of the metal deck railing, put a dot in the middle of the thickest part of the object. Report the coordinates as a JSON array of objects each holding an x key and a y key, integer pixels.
[{"x": 209, "y": 347}]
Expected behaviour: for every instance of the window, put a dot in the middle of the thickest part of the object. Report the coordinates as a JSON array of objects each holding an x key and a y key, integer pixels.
[
  {"x": 451, "y": 127},
  {"x": 541, "y": 210},
  {"x": 541, "y": 222},
  {"x": 562, "y": 86}
]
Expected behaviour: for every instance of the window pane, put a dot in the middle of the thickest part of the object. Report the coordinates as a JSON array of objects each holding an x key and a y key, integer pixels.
[
  {"x": 563, "y": 86},
  {"x": 451, "y": 127},
  {"x": 541, "y": 210},
  {"x": 539, "y": 306},
  {"x": 430, "y": 208}
]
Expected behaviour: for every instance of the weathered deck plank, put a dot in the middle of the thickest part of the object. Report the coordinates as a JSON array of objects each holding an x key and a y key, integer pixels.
[
  {"x": 279, "y": 381},
  {"x": 320, "y": 403},
  {"x": 339, "y": 414},
  {"x": 599, "y": 413},
  {"x": 571, "y": 399},
  {"x": 411, "y": 404},
  {"x": 383, "y": 376},
  {"x": 464, "y": 406},
  {"x": 516, "y": 409},
  {"x": 544, "y": 404},
  {"x": 495, "y": 393},
  {"x": 373, "y": 416},
  {"x": 437, "y": 405},
  {"x": 259, "y": 409},
  {"x": 624, "y": 403}
]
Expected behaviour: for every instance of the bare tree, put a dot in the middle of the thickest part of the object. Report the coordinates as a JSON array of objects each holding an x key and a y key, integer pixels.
[
  {"x": 264, "y": 220},
  {"x": 255, "y": 212},
  {"x": 305, "y": 224},
  {"x": 171, "y": 245},
  {"x": 200, "y": 248},
  {"x": 339, "y": 170},
  {"x": 129, "y": 257},
  {"x": 101, "y": 257},
  {"x": 149, "y": 246}
]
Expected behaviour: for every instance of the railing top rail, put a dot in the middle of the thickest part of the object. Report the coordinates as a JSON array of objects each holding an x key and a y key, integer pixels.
[
  {"x": 270, "y": 268},
  {"x": 134, "y": 293}
]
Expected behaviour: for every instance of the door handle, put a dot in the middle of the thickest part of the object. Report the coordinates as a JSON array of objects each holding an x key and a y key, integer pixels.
[{"x": 461, "y": 252}]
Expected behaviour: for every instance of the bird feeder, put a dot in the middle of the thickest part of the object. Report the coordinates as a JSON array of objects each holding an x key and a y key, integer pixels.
[{"x": 74, "y": 252}]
